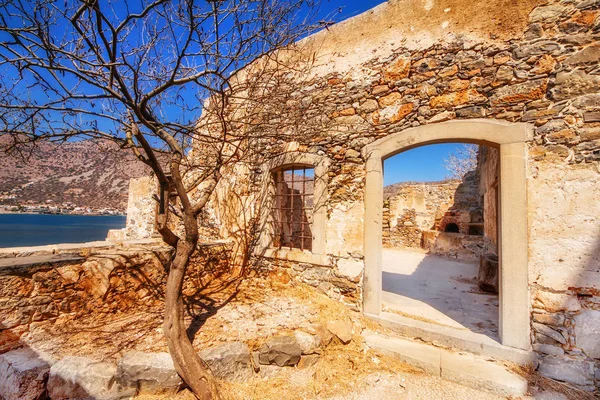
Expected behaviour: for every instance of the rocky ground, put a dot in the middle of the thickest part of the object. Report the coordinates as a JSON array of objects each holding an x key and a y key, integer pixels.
[{"x": 264, "y": 339}]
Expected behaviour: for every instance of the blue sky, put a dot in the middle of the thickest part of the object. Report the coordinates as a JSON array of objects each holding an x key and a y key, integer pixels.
[
  {"x": 348, "y": 8},
  {"x": 421, "y": 164}
]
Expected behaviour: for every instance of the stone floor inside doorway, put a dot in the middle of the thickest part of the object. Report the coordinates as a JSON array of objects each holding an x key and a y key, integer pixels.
[{"x": 437, "y": 290}]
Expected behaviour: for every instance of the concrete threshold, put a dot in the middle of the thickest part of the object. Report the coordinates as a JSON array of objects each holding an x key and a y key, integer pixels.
[
  {"x": 465, "y": 369},
  {"x": 452, "y": 338}
]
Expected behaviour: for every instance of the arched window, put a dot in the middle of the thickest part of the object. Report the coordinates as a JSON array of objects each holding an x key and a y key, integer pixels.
[{"x": 451, "y": 227}]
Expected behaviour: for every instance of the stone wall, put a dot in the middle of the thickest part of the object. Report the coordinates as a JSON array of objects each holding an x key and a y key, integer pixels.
[
  {"x": 404, "y": 65},
  {"x": 45, "y": 287},
  {"x": 416, "y": 206},
  {"x": 415, "y": 214},
  {"x": 488, "y": 160},
  {"x": 141, "y": 209}
]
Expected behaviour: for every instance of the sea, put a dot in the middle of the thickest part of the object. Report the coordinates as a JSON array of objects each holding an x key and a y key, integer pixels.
[{"x": 18, "y": 230}]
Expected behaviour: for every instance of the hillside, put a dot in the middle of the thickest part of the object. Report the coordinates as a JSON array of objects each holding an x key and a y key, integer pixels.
[{"x": 77, "y": 174}]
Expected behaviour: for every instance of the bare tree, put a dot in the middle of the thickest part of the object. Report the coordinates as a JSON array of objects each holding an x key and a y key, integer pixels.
[
  {"x": 461, "y": 161},
  {"x": 141, "y": 74}
]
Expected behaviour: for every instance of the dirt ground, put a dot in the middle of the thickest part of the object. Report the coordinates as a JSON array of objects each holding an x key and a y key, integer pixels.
[{"x": 251, "y": 311}]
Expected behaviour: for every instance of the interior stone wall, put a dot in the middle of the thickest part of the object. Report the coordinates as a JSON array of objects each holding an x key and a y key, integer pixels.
[
  {"x": 488, "y": 160},
  {"x": 415, "y": 214}
]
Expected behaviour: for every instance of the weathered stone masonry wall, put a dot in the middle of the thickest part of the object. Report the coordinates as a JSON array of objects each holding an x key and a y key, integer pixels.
[
  {"x": 402, "y": 66},
  {"x": 109, "y": 281},
  {"x": 416, "y": 215},
  {"x": 414, "y": 208}
]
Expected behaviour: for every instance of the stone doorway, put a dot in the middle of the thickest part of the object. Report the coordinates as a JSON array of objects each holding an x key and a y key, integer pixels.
[
  {"x": 510, "y": 139},
  {"x": 439, "y": 220}
]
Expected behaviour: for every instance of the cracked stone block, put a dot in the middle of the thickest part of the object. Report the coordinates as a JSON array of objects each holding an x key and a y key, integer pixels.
[
  {"x": 567, "y": 370},
  {"x": 23, "y": 374},
  {"x": 229, "y": 361},
  {"x": 75, "y": 378},
  {"x": 148, "y": 373},
  {"x": 587, "y": 332}
]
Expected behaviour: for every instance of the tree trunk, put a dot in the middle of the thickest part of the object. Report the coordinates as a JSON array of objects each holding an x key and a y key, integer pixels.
[{"x": 188, "y": 364}]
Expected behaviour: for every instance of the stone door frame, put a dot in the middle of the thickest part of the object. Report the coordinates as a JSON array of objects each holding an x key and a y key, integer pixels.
[{"x": 511, "y": 139}]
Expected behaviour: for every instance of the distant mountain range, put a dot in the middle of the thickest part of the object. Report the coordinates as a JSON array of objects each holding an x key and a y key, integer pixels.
[{"x": 74, "y": 174}]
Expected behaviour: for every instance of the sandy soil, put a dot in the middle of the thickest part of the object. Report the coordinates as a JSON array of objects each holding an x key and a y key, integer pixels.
[{"x": 252, "y": 311}]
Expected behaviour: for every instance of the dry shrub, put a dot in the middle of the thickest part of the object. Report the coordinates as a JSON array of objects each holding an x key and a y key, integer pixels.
[{"x": 543, "y": 383}]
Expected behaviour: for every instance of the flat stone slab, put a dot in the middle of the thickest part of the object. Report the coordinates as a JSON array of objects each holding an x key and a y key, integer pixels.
[
  {"x": 81, "y": 378},
  {"x": 462, "y": 339},
  {"x": 416, "y": 354},
  {"x": 148, "y": 373},
  {"x": 23, "y": 374},
  {"x": 461, "y": 368},
  {"x": 229, "y": 361},
  {"x": 481, "y": 374},
  {"x": 27, "y": 266}
]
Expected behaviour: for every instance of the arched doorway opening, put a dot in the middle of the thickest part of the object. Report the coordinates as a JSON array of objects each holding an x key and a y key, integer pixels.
[
  {"x": 510, "y": 138},
  {"x": 451, "y": 228},
  {"x": 439, "y": 220}
]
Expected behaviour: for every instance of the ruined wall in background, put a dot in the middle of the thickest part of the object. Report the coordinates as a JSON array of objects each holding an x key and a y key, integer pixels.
[
  {"x": 141, "y": 209},
  {"x": 424, "y": 215},
  {"x": 409, "y": 209},
  {"x": 488, "y": 160}
]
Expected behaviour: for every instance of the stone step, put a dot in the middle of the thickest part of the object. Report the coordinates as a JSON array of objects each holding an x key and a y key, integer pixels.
[
  {"x": 452, "y": 338},
  {"x": 462, "y": 368}
]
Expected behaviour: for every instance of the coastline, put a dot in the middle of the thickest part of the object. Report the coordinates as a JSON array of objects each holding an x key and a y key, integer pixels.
[{"x": 5, "y": 212}]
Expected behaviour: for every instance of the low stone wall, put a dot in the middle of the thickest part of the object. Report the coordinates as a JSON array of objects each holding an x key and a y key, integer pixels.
[
  {"x": 43, "y": 287},
  {"x": 342, "y": 282},
  {"x": 566, "y": 332},
  {"x": 453, "y": 245}
]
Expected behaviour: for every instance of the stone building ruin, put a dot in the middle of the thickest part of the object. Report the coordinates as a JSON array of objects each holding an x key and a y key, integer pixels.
[
  {"x": 445, "y": 218},
  {"x": 519, "y": 78}
]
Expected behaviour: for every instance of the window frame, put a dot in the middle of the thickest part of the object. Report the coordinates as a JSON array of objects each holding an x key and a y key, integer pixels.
[
  {"x": 266, "y": 246},
  {"x": 279, "y": 210}
]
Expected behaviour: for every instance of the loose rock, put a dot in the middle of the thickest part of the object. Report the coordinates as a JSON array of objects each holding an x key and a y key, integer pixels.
[
  {"x": 281, "y": 351},
  {"x": 23, "y": 373},
  {"x": 148, "y": 373},
  {"x": 309, "y": 344},
  {"x": 341, "y": 329},
  {"x": 229, "y": 361}
]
